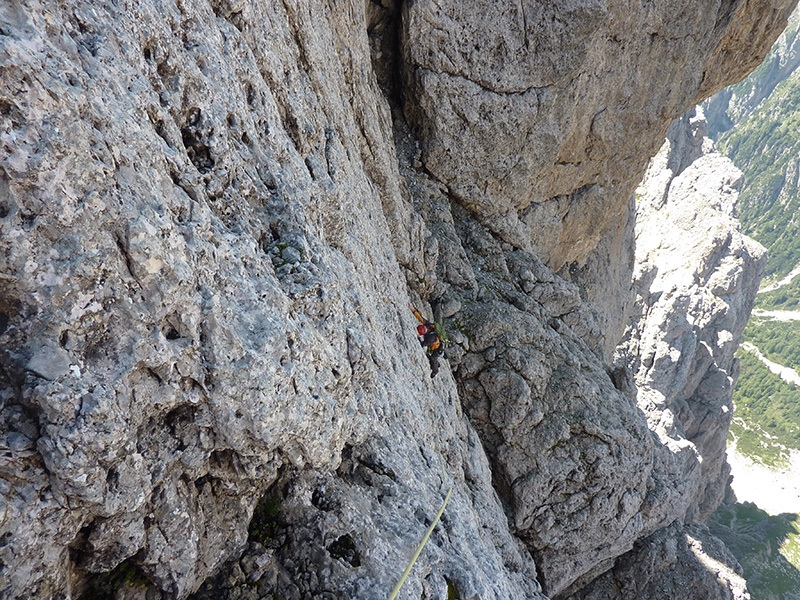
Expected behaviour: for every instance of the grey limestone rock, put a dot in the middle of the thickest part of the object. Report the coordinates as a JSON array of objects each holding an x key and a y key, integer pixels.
[
  {"x": 213, "y": 216},
  {"x": 205, "y": 253},
  {"x": 164, "y": 365},
  {"x": 507, "y": 102},
  {"x": 687, "y": 558},
  {"x": 580, "y": 473},
  {"x": 696, "y": 278}
]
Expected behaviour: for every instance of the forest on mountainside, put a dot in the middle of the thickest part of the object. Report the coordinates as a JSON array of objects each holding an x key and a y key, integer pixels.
[
  {"x": 786, "y": 297},
  {"x": 779, "y": 341},
  {"x": 767, "y": 418},
  {"x": 756, "y": 123}
]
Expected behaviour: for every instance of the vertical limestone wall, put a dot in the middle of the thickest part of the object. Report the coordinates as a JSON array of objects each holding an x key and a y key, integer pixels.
[{"x": 213, "y": 216}]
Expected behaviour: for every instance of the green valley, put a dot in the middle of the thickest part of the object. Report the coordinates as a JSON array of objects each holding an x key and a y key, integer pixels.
[
  {"x": 756, "y": 123},
  {"x": 767, "y": 420}
]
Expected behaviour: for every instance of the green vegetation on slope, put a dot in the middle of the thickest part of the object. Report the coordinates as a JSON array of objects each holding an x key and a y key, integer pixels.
[
  {"x": 265, "y": 524},
  {"x": 745, "y": 97},
  {"x": 786, "y": 297},
  {"x": 767, "y": 418},
  {"x": 766, "y": 146},
  {"x": 759, "y": 118},
  {"x": 765, "y": 546},
  {"x": 779, "y": 341},
  {"x": 764, "y": 142},
  {"x": 127, "y": 575}
]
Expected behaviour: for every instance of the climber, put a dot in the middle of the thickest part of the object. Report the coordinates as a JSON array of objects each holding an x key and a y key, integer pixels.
[{"x": 432, "y": 337}]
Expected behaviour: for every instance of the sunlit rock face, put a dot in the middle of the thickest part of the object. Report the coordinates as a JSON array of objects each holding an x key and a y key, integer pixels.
[
  {"x": 696, "y": 279},
  {"x": 527, "y": 112},
  {"x": 213, "y": 216}
]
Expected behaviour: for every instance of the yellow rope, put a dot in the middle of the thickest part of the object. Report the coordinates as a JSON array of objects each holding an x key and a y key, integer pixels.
[{"x": 424, "y": 541}]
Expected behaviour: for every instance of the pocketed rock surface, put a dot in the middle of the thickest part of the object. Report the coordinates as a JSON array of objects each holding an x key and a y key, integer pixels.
[{"x": 213, "y": 217}]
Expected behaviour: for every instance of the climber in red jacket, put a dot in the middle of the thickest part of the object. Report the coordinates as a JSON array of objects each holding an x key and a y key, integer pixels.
[{"x": 432, "y": 337}]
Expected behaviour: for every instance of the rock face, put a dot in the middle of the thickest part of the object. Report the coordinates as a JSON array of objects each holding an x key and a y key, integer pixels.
[
  {"x": 736, "y": 103},
  {"x": 192, "y": 291},
  {"x": 212, "y": 218},
  {"x": 672, "y": 559},
  {"x": 514, "y": 119},
  {"x": 696, "y": 279}
]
